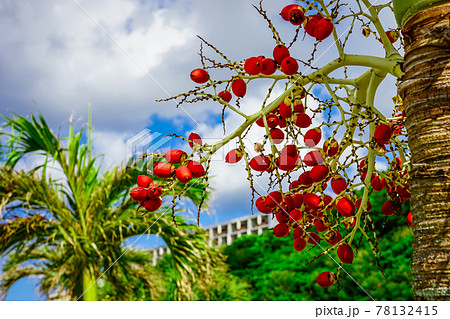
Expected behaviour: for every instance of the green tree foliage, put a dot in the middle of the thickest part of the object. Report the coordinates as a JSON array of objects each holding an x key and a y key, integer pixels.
[{"x": 276, "y": 271}]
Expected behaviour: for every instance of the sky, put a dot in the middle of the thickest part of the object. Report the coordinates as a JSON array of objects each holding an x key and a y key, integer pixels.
[{"x": 120, "y": 56}]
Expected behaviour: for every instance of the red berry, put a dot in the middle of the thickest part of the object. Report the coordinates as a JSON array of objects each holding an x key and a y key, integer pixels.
[
  {"x": 298, "y": 232},
  {"x": 287, "y": 163},
  {"x": 311, "y": 200},
  {"x": 312, "y": 137},
  {"x": 239, "y": 87},
  {"x": 295, "y": 215},
  {"x": 298, "y": 200},
  {"x": 345, "y": 253},
  {"x": 383, "y": 134},
  {"x": 284, "y": 12},
  {"x": 369, "y": 204},
  {"x": 323, "y": 28},
  {"x": 392, "y": 35},
  {"x": 280, "y": 52},
  {"x": 199, "y": 76},
  {"x": 269, "y": 66},
  {"x": 333, "y": 237},
  {"x": 296, "y": 16},
  {"x": 299, "y": 244},
  {"x": 277, "y": 135},
  {"x": 175, "y": 156},
  {"x": 313, "y": 158},
  {"x": 305, "y": 179},
  {"x": 273, "y": 199},
  {"x": 376, "y": 183},
  {"x": 289, "y": 66},
  {"x": 233, "y": 156},
  {"x": 152, "y": 204},
  {"x": 196, "y": 169},
  {"x": 311, "y": 22},
  {"x": 183, "y": 174},
  {"x": 389, "y": 208},
  {"x": 281, "y": 122},
  {"x": 330, "y": 147},
  {"x": 225, "y": 95},
  {"x": 321, "y": 225},
  {"x": 281, "y": 230},
  {"x": 338, "y": 184},
  {"x": 345, "y": 207},
  {"x": 282, "y": 217},
  {"x": 272, "y": 121},
  {"x": 259, "y": 163},
  {"x": 350, "y": 224},
  {"x": 313, "y": 238},
  {"x": 326, "y": 279},
  {"x": 285, "y": 110},
  {"x": 261, "y": 206},
  {"x": 327, "y": 199},
  {"x": 318, "y": 173},
  {"x": 144, "y": 181},
  {"x": 302, "y": 120},
  {"x": 154, "y": 191},
  {"x": 409, "y": 218},
  {"x": 194, "y": 138},
  {"x": 163, "y": 170},
  {"x": 253, "y": 66},
  {"x": 138, "y": 194},
  {"x": 289, "y": 150}
]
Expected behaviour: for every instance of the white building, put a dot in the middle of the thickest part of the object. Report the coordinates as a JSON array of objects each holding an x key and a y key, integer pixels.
[{"x": 226, "y": 232}]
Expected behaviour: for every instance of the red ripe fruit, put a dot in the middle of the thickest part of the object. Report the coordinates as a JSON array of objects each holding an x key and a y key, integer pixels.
[
  {"x": 298, "y": 106},
  {"x": 313, "y": 238},
  {"x": 175, "y": 156},
  {"x": 324, "y": 27},
  {"x": 376, "y": 183},
  {"x": 284, "y": 12},
  {"x": 233, "y": 156},
  {"x": 296, "y": 16},
  {"x": 152, "y": 204},
  {"x": 298, "y": 200},
  {"x": 259, "y": 163},
  {"x": 285, "y": 110},
  {"x": 326, "y": 279},
  {"x": 280, "y": 52},
  {"x": 311, "y": 200},
  {"x": 403, "y": 191},
  {"x": 196, "y": 169},
  {"x": 345, "y": 207},
  {"x": 138, "y": 194},
  {"x": 282, "y": 217},
  {"x": 289, "y": 66},
  {"x": 269, "y": 66},
  {"x": 144, "y": 181},
  {"x": 388, "y": 208},
  {"x": 272, "y": 121},
  {"x": 239, "y": 87},
  {"x": 273, "y": 199},
  {"x": 261, "y": 206},
  {"x": 295, "y": 215},
  {"x": 194, "y": 138},
  {"x": 312, "y": 137},
  {"x": 409, "y": 218},
  {"x": 321, "y": 225},
  {"x": 163, "y": 170},
  {"x": 199, "y": 76},
  {"x": 345, "y": 253},
  {"x": 327, "y": 199},
  {"x": 369, "y": 204},
  {"x": 154, "y": 191},
  {"x": 299, "y": 244},
  {"x": 330, "y": 147},
  {"x": 183, "y": 174},
  {"x": 289, "y": 150},
  {"x": 298, "y": 232},
  {"x": 338, "y": 184},
  {"x": 333, "y": 237},
  {"x": 277, "y": 135},
  {"x": 305, "y": 179},
  {"x": 287, "y": 163},
  {"x": 225, "y": 95},
  {"x": 302, "y": 120},
  {"x": 311, "y": 22},
  {"x": 281, "y": 230},
  {"x": 253, "y": 66},
  {"x": 281, "y": 122},
  {"x": 351, "y": 224},
  {"x": 318, "y": 173},
  {"x": 383, "y": 134},
  {"x": 392, "y": 35},
  {"x": 313, "y": 158}
]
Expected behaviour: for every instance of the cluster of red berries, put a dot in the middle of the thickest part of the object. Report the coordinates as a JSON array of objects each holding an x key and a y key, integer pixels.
[
  {"x": 176, "y": 165},
  {"x": 315, "y": 25}
]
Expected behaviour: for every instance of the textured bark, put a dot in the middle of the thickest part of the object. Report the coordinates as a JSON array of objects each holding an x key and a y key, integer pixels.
[{"x": 425, "y": 92}]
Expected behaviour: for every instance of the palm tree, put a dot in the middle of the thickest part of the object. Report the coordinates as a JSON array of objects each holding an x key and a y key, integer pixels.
[
  {"x": 424, "y": 89},
  {"x": 70, "y": 231}
]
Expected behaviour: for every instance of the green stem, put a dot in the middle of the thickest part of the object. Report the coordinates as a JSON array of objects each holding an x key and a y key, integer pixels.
[{"x": 89, "y": 286}]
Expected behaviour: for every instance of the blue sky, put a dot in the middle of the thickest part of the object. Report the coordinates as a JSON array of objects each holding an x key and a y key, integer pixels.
[{"x": 122, "y": 55}]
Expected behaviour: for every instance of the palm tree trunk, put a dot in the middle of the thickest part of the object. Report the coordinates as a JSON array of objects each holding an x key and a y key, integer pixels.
[
  {"x": 89, "y": 286},
  {"x": 425, "y": 92}
]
